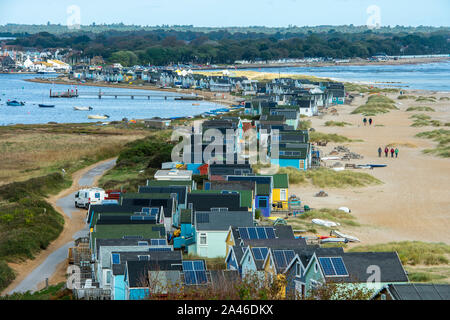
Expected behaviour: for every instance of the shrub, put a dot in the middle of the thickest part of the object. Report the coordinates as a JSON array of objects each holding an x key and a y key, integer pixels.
[
  {"x": 337, "y": 124},
  {"x": 376, "y": 104},
  {"x": 328, "y": 137},
  {"x": 412, "y": 252}
]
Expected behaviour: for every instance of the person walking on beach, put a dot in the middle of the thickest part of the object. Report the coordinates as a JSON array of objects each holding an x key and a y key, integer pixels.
[
  {"x": 379, "y": 152},
  {"x": 370, "y": 121},
  {"x": 365, "y": 121},
  {"x": 396, "y": 152},
  {"x": 386, "y": 151},
  {"x": 392, "y": 152}
]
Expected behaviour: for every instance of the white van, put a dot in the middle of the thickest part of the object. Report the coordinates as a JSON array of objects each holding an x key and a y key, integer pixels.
[{"x": 85, "y": 197}]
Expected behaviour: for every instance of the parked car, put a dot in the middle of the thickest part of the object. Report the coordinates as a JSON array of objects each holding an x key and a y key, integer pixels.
[{"x": 85, "y": 197}]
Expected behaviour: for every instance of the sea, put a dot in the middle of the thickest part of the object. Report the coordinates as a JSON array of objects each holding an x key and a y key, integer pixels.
[
  {"x": 14, "y": 87},
  {"x": 428, "y": 76}
]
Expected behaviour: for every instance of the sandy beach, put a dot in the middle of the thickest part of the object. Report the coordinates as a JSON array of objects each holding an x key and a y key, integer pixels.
[{"x": 413, "y": 202}]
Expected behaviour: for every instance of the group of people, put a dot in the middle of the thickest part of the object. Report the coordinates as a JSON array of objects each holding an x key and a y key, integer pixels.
[
  {"x": 386, "y": 152},
  {"x": 365, "y": 121}
]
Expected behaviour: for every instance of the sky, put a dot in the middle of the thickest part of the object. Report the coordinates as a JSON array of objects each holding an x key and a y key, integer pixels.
[{"x": 221, "y": 13}]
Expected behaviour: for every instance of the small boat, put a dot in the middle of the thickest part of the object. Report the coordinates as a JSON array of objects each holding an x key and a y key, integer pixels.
[
  {"x": 15, "y": 103},
  {"x": 46, "y": 106},
  {"x": 325, "y": 223},
  {"x": 196, "y": 104},
  {"x": 345, "y": 236},
  {"x": 83, "y": 108},
  {"x": 99, "y": 117},
  {"x": 334, "y": 240},
  {"x": 377, "y": 165}
]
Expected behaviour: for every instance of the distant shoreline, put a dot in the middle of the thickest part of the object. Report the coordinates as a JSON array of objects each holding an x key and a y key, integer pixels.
[{"x": 355, "y": 62}]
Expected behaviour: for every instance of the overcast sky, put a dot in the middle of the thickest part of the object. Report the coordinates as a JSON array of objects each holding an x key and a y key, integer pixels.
[{"x": 218, "y": 13}]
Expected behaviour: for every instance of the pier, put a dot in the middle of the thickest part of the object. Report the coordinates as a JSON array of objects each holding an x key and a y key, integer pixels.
[{"x": 75, "y": 94}]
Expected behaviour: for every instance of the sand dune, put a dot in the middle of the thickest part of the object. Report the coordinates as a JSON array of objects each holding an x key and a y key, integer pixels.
[{"x": 414, "y": 202}]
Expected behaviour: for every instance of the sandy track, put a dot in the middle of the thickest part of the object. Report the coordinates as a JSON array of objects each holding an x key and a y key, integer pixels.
[
  {"x": 413, "y": 203},
  {"x": 72, "y": 225}
]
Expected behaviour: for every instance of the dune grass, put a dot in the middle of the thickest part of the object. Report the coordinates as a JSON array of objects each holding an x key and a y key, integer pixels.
[
  {"x": 426, "y": 109},
  {"x": 402, "y": 144},
  {"x": 304, "y": 125},
  {"x": 412, "y": 252},
  {"x": 405, "y": 97},
  {"x": 422, "y": 120},
  {"x": 442, "y": 137},
  {"x": 444, "y": 98},
  {"x": 327, "y": 137},
  {"x": 337, "y": 124},
  {"x": 376, "y": 104},
  {"x": 326, "y": 214},
  {"x": 426, "y": 99},
  {"x": 326, "y": 178},
  {"x": 359, "y": 88}
]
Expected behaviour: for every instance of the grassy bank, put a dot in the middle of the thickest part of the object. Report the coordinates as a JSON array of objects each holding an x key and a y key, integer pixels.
[
  {"x": 28, "y": 224},
  {"x": 442, "y": 137},
  {"x": 422, "y": 120},
  {"x": 57, "y": 292},
  {"x": 376, "y": 104},
  {"x": 360, "y": 88},
  {"x": 28, "y": 151},
  {"x": 138, "y": 161},
  {"x": 412, "y": 252},
  {"x": 326, "y": 178},
  {"x": 337, "y": 124},
  {"x": 425, "y": 109},
  {"x": 327, "y": 137},
  {"x": 304, "y": 220}
]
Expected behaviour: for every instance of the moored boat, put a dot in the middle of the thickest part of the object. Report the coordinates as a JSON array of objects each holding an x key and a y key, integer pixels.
[
  {"x": 46, "y": 106},
  {"x": 15, "y": 103},
  {"x": 99, "y": 117},
  {"x": 83, "y": 108}
]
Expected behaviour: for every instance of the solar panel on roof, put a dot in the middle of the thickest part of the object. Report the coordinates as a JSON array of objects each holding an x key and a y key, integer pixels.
[
  {"x": 264, "y": 252},
  {"x": 158, "y": 249},
  {"x": 339, "y": 266},
  {"x": 132, "y": 237},
  {"x": 188, "y": 266},
  {"x": 279, "y": 258},
  {"x": 154, "y": 211},
  {"x": 252, "y": 233},
  {"x": 201, "y": 277},
  {"x": 327, "y": 266},
  {"x": 270, "y": 233},
  {"x": 257, "y": 253},
  {"x": 189, "y": 277},
  {"x": 261, "y": 233},
  {"x": 289, "y": 254},
  {"x": 199, "y": 265},
  {"x": 243, "y": 232},
  {"x": 116, "y": 258},
  {"x": 146, "y": 210}
]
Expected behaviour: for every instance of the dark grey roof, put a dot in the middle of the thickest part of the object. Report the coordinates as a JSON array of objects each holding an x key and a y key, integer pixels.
[
  {"x": 137, "y": 271},
  {"x": 181, "y": 191},
  {"x": 223, "y": 278},
  {"x": 111, "y": 209},
  {"x": 232, "y": 185},
  {"x": 277, "y": 243},
  {"x": 419, "y": 291},
  {"x": 221, "y": 221},
  {"x": 134, "y": 256},
  {"x": 206, "y": 201},
  {"x": 357, "y": 264},
  {"x": 230, "y": 169}
]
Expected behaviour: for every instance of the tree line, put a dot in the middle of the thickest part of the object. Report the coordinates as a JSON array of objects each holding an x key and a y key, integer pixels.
[{"x": 163, "y": 47}]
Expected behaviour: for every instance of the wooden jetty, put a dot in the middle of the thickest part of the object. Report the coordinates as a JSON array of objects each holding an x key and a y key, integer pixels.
[{"x": 132, "y": 95}]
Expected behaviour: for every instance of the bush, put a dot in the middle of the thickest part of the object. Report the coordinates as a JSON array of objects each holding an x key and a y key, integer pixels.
[
  {"x": 327, "y": 137},
  {"x": 412, "y": 252},
  {"x": 427, "y": 109},
  {"x": 326, "y": 178},
  {"x": 441, "y": 136},
  {"x": 337, "y": 124},
  {"x": 149, "y": 150},
  {"x": 376, "y": 104},
  {"x": 6, "y": 275}
]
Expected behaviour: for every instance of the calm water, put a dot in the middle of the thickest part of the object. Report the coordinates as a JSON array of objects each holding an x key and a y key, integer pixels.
[
  {"x": 13, "y": 87},
  {"x": 432, "y": 76}
]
